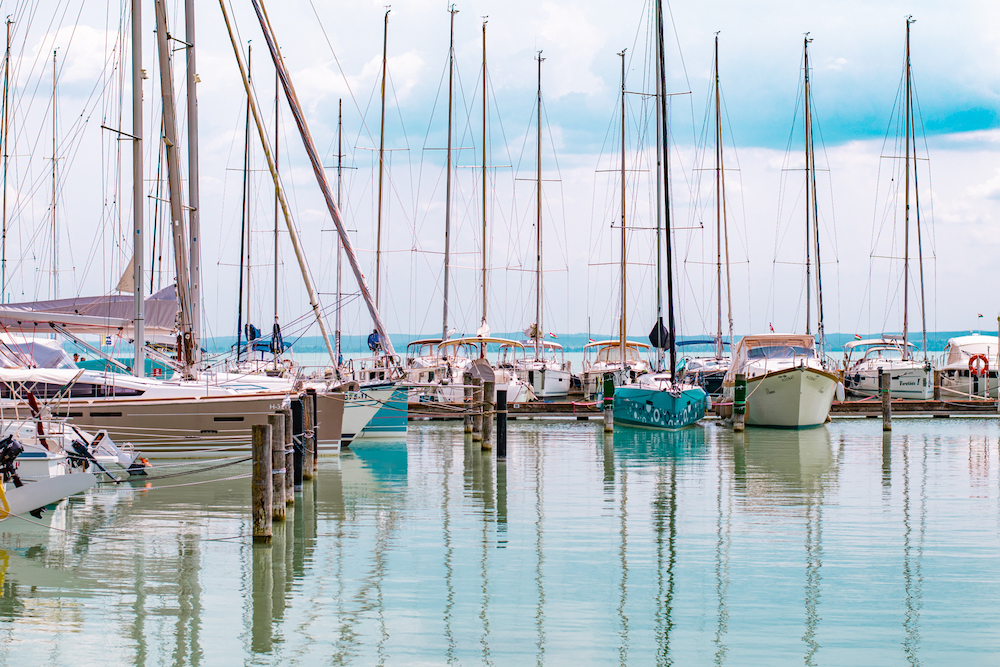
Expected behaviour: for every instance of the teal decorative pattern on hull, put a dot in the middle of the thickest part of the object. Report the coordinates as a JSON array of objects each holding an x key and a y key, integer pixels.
[{"x": 639, "y": 406}]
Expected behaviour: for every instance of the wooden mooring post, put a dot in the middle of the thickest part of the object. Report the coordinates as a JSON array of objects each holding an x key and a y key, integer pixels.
[
  {"x": 609, "y": 402},
  {"x": 467, "y": 395},
  {"x": 883, "y": 385},
  {"x": 276, "y": 423},
  {"x": 477, "y": 409},
  {"x": 309, "y": 441},
  {"x": 489, "y": 396},
  {"x": 298, "y": 443},
  {"x": 501, "y": 424},
  {"x": 260, "y": 487},
  {"x": 740, "y": 402},
  {"x": 289, "y": 459},
  {"x": 937, "y": 385}
]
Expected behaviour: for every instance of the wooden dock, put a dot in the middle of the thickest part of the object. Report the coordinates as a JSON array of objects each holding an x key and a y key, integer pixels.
[{"x": 583, "y": 410}]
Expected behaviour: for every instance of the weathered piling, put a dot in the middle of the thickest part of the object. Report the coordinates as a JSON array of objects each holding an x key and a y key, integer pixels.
[
  {"x": 467, "y": 396},
  {"x": 609, "y": 402},
  {"x": 260, "y": 487},
  {"x": 298, "y": 442},
  {"x": 276, "y": 422},
  {"x": 883, "y": 384},
  {"x": 937, "y": 385},
  {"x": 477, "y": 409},
  {"x": 289, "y": 462},
  {"x": 308, "y": 440},
  {"x": 501, "y": 423},
  {"x": 489, "y": 392},
  {"x": 740, "y": 402}
]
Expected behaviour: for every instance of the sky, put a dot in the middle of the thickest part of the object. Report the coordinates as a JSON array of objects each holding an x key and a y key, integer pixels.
[{"x": 333, "y": 51}]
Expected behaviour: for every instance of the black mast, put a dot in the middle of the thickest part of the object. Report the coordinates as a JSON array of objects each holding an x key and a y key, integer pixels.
[
  {"x": 243, "y": 225},
  {"x": 662, "y": 85}
]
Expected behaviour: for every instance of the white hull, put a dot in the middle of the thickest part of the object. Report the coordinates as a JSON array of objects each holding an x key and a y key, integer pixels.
[
  {"x": 360, "y": 408},
  {"x": 546, "y": 381},
  {"x": 906, "y": 380},
  {"x": 959, "y": 384},
  {"x": 798, "y": 397}
]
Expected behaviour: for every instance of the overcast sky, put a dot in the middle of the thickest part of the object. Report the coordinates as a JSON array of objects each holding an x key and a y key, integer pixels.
[{"x": 334, "y": 53}]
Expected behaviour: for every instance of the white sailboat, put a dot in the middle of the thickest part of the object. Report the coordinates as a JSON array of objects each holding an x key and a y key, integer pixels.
[
  {"x": 909, "y": 377},
  {"x": 969, "y": 367},
  {"x": 789, "y": 384},
  {"x": 548, "y": 375}
]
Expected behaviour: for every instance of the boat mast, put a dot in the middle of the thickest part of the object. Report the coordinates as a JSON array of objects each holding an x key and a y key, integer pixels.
[
  {"x": 55, "y": 184},
  {"x": 719, "y": 202},
  {"x": 820, "y": 335},
  {"x": 138, "y": 237},
  {"x": 194, "y": 181},
  {"x": 916, "y": 197},
  {"x": 6, "y": 154},
  {"x": 381, "y": 171},
  {"x": 906, "y": 205},
  {"x": 188, "y": 349},
  {"x": 447, "y": 204},
  {"x": 485, "y": 109},
  {"x": 808, "y": 119},
  {"x": 318, "y": 172},
  {"x": 243, "y": 222},
  {"x": 659, "y": 229},
  {"x": 538, "y": 216},
  {"x": 277, "y": 257},
  {"x": 622, "y": 328},
  {"x": 671, "y": 328},
  {"x": 340, "y": 180}
]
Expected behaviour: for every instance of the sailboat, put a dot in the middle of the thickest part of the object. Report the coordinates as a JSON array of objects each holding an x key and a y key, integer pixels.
[
  {"x": 709, "y": 372},
  {"x": 908, "y": 377},
  {"x": 788, "y": 382},
  {"x": 546, "y": 371},
  {"x": 663, "y": 399}
]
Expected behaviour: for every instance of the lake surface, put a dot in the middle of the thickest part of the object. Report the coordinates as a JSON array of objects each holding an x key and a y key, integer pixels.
[{"x": 828, "y": 546}]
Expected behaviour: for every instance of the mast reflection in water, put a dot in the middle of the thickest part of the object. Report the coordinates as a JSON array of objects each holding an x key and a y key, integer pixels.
[{"x": 637, "y": 547}]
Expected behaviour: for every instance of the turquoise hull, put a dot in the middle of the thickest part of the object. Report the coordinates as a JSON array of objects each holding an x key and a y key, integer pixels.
[
  {"x": 639, "y": 406},
  {"x": 390, "y": 420}
]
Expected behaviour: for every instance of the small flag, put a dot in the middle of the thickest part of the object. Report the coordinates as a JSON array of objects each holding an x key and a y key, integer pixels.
[
  {"x": 553, "y": 335},
  {"x": 980, "y": 314},
  {"x": 591, "y": 340},
  {"x": 772, "y": 327},
  {"x": 107, "y": 340},
  {"x": 857, "y": 336}
]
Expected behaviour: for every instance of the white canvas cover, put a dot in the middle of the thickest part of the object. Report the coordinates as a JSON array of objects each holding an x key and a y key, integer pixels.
[
  {"x": 962, "y": 348},
  {"x": 741, "y": 355}
]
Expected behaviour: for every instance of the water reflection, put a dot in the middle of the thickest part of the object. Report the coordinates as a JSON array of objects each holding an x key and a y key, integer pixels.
[{"x": 788, "y": 466}]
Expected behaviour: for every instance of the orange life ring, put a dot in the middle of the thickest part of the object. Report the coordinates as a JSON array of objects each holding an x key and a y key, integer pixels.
[{"x": 975, "y": 368}]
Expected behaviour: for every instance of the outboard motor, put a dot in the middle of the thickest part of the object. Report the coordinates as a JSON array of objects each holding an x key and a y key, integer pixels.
[{"x": 10, "y": 449}]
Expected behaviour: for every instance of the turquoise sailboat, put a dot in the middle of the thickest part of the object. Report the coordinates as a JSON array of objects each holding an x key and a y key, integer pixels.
[{"x": 661, "y": 399}]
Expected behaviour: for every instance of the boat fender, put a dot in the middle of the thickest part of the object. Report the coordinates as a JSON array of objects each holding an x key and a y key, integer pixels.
[
  {"x": 979, "y": 369},
  {"x": 840, "y": 391}
]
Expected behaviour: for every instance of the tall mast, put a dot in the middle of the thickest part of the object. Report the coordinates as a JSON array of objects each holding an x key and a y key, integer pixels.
[
  {"x": 340, "y": 180},
  {"x": 6, "y": 154},
  {"x": 538, "y": 218},
  {"x": 55, "y": 183},
  {"x": 138, "y": 238},
  {"x": 659, "y": 229},
  {"x": 485, "y": 108},
  {"x": 243, "y": 223},
  {"x": 194, "y": 180},
  {"x": 719, "y": 199},
  {"x": 916, "y": 196},
  {"x": 811, "y": 188},
  {"x": 381, "y": 169},
  {"x": 808, "y": 123},
  {"x": 671, "y": 328},
  {"x": 621, "y": 325},
  {"x": 188, "y": 349},
  {"x": 447, "y": 204},
  {"x": 906, "y": 206},
  {"x": 318, "y": 172},
  {"x": 277, "y": 256}
]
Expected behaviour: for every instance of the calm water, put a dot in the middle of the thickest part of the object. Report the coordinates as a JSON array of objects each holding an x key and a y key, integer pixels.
[{"x": 829, "y": 546}]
